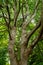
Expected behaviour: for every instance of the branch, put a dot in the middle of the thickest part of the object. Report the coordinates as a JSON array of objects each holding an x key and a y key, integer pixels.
[
  {"x": 28, "y": 51},
  {"x": 25, "y": 38},
  {"x": 5, "y": 19},
  {"x": 36, "y": 7},
  {"x": 7, "y": 24},
  {"x": 25, "y": 43},
  {"x": 32, "y": 15},
  {"x": 23, "y": 12},
  {"x": 16, "y": 13},
  {"x": 8, "y": 14}
]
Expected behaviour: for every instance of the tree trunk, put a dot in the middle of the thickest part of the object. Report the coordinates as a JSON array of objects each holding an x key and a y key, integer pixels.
[
  {"x": 11, "y": 47},
  {"x": 11, "y": 54},
  {"x": 23, "y": 62}
]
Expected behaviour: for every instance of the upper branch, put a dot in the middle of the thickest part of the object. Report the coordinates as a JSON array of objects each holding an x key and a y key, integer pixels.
[
  {"x": 32, "y": 15},
  {"x": 8, "y": 13},
  {"x": 16, "y": 13},
  {"x": 30, "y": 34},
  {"x": 29, "y": 50}
]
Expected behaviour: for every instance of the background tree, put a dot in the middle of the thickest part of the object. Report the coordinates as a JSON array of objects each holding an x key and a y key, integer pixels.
[{"x": 21, "y": 30}]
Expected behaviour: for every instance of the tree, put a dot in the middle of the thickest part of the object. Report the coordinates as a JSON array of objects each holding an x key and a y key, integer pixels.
[{"x": 17, "y": 16}]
